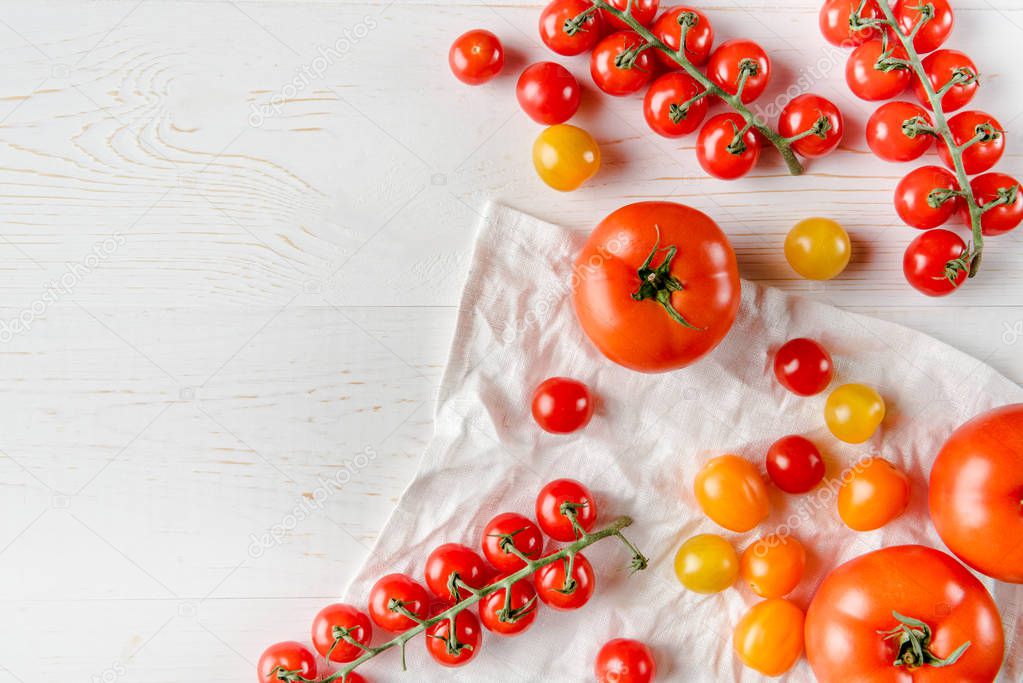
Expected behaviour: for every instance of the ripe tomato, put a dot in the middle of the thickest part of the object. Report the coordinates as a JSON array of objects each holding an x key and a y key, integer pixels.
[
  {"x": 706, "y": 563},
  {"x": 732, "y": 493},
  {"x": 548, "y": 93},
  {"x": 722, "y": 152},
  {"x": 803, "y": 367},
  {"x": 1004, "y": 217},
  {"x": 562, "y": 405},
  {"x": 642, "y": 11},
  {"x": 888, "y": 136},
  {"x": 773, "y": 565},
  {"x": 934, "y": 32},
  {"x": 584, "y": 35},
  {"x": 450, "y": 560},
  {"x": 870, "y": 83},
  {"x": 853, "y": 412},
  {"x": 873, "y": 493},
  {"x": 520, "y": 615},
  {"x": 330, "y": 626},
  {"x": 834, "y": 22},
  {"x": 656, "y": 286},
  {"x": 286, "y": 656},
  {"x": 457, "y": 651},
  {"x": 523, "y": 534},
  {"x": 699, "y": 37},
  {"x": 976, "y": 493},
  {"x": 618, "y": 67},
  {"x": 557, "y": 589},
  {"x": 667, "y": 107},
  {"x": 925, "y": 197},
  {"x": 803, "y": 113},
  {"x": 563, "y": 496},
  {"x": 769, "y": 637},
  {"x": 565, "y": 156},
  {"x": 403, "y": 590},
  {"x": 818, "y": 248},
  {"x": 731, "y": 59},
  {"x": 794, "y": 464},
  {"x": 926, "y": 263},
  {"x": 476, "y": 56},
  {"x": 942, "y": 66},
  {"x": 854, "y": 633},
  {"x": 624, "y": 660},
  {"x": 982, "y": 155}
]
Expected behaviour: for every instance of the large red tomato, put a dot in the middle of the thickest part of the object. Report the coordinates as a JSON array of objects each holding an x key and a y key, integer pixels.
[
  {"x": 876, "y": 616},
  {"x": 656, "y": 286},
  {"x": 976, "y": 493}
]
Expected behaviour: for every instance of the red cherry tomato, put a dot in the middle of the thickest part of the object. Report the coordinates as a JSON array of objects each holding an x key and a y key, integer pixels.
[
  {"x": 794, "y": 464},
  {"x": 714, "y": 147},
  {"x": 926, "y": 260},
  {"x": 552, "y": 27},
  {"x": 886, "y": 134},
  {"x": 834, "y": 22},
  {"x": 662, "y": 106},
  {"x": 870, "y": 83},
  {"x": 978, "y": 157},
  {"x": 286, "y": 656},
  {"x": 455, "y": 558},
  {"x": 699, "y": 37},
  {"x": 624, "y": 660},
  {"x": 803, "y": 367},
  {"x": 940, "y": 68},
  {"x": 524, "y": 534},
  {"x": 642, "y": 11},
  {"x": 348, "y": 618},
  {"x": 548, "y": 93},
  {"x": 565, "y": 495},
  {"x": 406, "y": 591},
  {"x": 1001, "y": 218},
  {"x": 476, "y": 57},
  {"x": 728, "y": 62},
  {"x": 802, "y": 114},
  {"x": 562, "y": 405},
  {"x": 918, "y": 197},
  {"x": 934, "y": 32},
  {"x": 557, "y": 590},
  {"x": 522, "y": 609},
  {"x": 462, "y": 648},
  {"x": 620, "y": 80}
]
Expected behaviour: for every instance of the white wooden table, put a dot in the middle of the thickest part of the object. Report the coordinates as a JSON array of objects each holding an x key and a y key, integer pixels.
[{"x": 233, "y": 238}]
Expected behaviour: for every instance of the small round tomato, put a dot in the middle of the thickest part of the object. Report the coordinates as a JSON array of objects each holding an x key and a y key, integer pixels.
[
  {"x": 873, "y": 493},
  {"x": 668, "y": 107},
  {"x": 982, "y": 154},
  {"x": 934, "y": 31},
  {"x": 565, "y": 156},
  {"x": 871, "y": 83},
  {"x": 722, "y": 152},
  {"x": 706, "y": 563},
  {"x": 452, "y": 560},
  {"x": 818, "y": 248},
  {"x": 1003, "y": 217},
  {"x": 476, "y": 56},
  {"x": 286, "y": 656},
  {"x": 891, "y": 135},
  {"x": 773, "y": 565},
  {"x": 794, "y": 464},
  {"x": 642, "y": 11},
  {"x": 734, "y": 59},
  {"x": 397, "y": 589},
  {"x": 620, "y": 65},
  {"x": 624, "y": 660},
  {"x": 853, "y": 412},
  {"x": 332, "y": 623},
  {"x": 460, "y": 649},
  {"x": 835, "y": 25},
  {"x": 557, "y": 589},
  {"x": 585, "y": 33},
  {"x": 803, "y": 367},
  {"x": 769, "y": 637},
  {"x": 699, "y": 36},
  {"x": 927, "y": 197},
  {"x": 548, "y": 93},
  {"x": 511, "y": 527},
  {"x": 926, "y": 263},
  {"x": 732, "y": 493},
  {"x": 808, "y": 112},
  {"x": 562, "y": 405},
  {"x": 941, "y": 67},
  {"x": 521, "y": 612},
  {"x": 558, "y": 501}
]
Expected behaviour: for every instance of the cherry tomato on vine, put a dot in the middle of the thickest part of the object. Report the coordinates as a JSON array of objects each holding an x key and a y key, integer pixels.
[
  {"x": 773, "y": 565},
  {"x": 818, "y": 248},
  {"x": 853, "y": 412},
  {"x": 982, "y": 155},
  {"x": 405, "y": 590},
  {"x": 624, "y": 660},
  {"x": 794, "y": 464},
  {"x": 523, "y": 608},
  {"x": 720, "y": 153},
  {"x": 525, "y": 536},
  {"x": 923, "y": 199},
  {"x": 875, "y": 493},
  {"x": 706, "y": 563},
  {"x": 346, "y": 617},
  {"x": 803, "y": 367},
  {"x": 642, "y": 11},
  {"x": 732, "y": 493},
  {"x": 663, "y": 105},
  {"x": 548, "y": 93},
  {"x": 940, "y": 67},
  {"x": 561, "y": 592},
  {"x": 801, "y": 115},
  {"x": 460, "y": 650},
  {"x": 870, "y": 83},
  {"x": 565, "y": 156},
  {"x": 552, "y": 23},
  {"x": 834, "y": 22},
  {"x": 734, "y": 57},
  {"x": 455, "y": 558},
  {"x": 565, "y": 494},
  {"x": 562, "y": 405},
  {"x": 769, "y": 637},
  {"x": 887, "y": 136},
  {"x": 934, "y": 31},
  {"x": 1004, "y": 217},
  {"x": 286, "y": 656},
  {"x": 925, "y": 263},
  {"x": 621, "y": 80},
  {"x": 699, "y": 37},
  {"x": 476, "y": 56}
]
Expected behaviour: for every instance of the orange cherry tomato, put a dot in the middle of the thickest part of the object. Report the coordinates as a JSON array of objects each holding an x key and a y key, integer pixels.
[
  {"x": 874, "y": 493},
  {"x": 732, "y": 493},
  {"x": 773, "y": 565},
  {"x": 769, "y": 637}
]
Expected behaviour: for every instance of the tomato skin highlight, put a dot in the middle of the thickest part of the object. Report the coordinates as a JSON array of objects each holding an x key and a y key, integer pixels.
[
  {"x": 872, "y": 84},
  {"x": 525, "y": 535},
  {"x": 925, "y": 261},
  {"x": 699, "y": 38},
  {"x": 562, "y": 405},
  {"x": 288, "y": 656},
  {"x": 612, "y": 79},
  {"x": 876, "y": 493},
  {"x": 801, "y": 114},
  {"x": 476, "y": 56},
  {"x": 343, "y": 616},
  {"x": 712, "y": 147},
  {"x": 550, "y": 582},
  {"x": 732, "y": 493},
  {"x": 794, "y": 464},
  {"x": 980, "y": 156},
  {"x": 803, "y": 366},
  {"x": 548, "y": 93},
  {"x": 548, "y": 509},
  {"x": 940, "y": 67},
  {"x": 565, "y": 156},
  {"x": 623, "y": 660},
  {"x": 769, "y": 637},
  {"x": 886, "y": 137},
  {"x": 913, "y": 192},
  {"x": 552, "y": 22},
  {"x": 773, "y": 565},
  {"x": 1002, "y": 218},
  {"x": 853, "y": 412},
  {"x": 834, "y": 22},
  {"x": 674, "y": 88},
  {"x": 706, "y": 563}
]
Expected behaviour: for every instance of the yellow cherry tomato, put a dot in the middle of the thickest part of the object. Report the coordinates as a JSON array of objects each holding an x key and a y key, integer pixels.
[
  {"x": 732, "y": 493},
  {"x": 706, "y": 564},
  {"x": 565, "y": 156},
  {"x": 873, "y": 493},
  {"x": 853, "y": 412},
  {"x": 773, "y": 565},
  {"x": 769, "y": 637},
  {"x": 818, "y": 248}
]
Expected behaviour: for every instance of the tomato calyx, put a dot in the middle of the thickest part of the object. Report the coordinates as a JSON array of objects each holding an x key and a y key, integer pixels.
[
  {"x": 576, "y": 24},
  {"x": 279, "y": 673},
  {"x": 962, "y": 75},
  {"x": 914, "y": 640},
  {"x": 341, "y": 634},
  {"x": 657, "y": 284},
  {"x": 627, "y": 58},
  {"x": 453, "y": 646}
]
